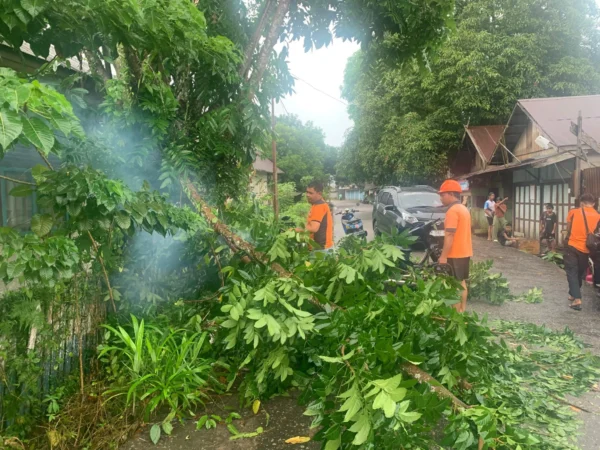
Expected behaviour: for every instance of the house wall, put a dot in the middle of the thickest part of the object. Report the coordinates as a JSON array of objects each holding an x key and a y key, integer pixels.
[
  {"x": 259, "y": 184},
  {"x": 535, "y": 187},
  {"x": 526, "y": 143}
]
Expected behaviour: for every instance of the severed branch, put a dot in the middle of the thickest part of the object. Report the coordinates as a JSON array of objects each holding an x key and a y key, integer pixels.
[
  {"x": 436, "y": 387},
  {"x": 236, "y": 243},
  {"x": 101, "y": 260},
  {"x": 14, "y": 180}
]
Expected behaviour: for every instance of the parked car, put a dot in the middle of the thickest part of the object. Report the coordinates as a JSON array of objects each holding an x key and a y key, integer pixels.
[{"x": 397, "y": 209}]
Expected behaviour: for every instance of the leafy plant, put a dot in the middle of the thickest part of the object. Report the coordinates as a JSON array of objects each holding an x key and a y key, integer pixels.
[
  {"x": 483, "y": 285},
  {"x": 555, "y": 258},
  {"x": 533, "y": 295},
  {"x": 152, "y": 367}
]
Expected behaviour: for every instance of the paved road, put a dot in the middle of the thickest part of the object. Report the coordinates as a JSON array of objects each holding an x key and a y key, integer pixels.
[{"x": 364, "y": 213}]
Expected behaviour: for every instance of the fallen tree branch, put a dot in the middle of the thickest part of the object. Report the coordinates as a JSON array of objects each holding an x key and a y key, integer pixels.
[
  {"x": 236, "y": 243},
  {"x": 14, "y": 180},
  {"x": 436, "y": 387}
]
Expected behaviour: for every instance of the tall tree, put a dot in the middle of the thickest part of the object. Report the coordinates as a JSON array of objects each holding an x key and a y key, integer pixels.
[
  {"x": 409, "y": 120},
  {"x": 302, "y": 152}
]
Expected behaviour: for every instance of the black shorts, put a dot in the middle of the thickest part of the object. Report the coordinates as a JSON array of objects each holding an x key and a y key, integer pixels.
[
  {"x": 460, "y": 266},
  {"x": 490, "y": 220},
  {"x": 548, "y": 236}
]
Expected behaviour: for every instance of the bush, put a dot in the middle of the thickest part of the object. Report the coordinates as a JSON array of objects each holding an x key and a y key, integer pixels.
[
  {"x": 155, "y": 367},
  {"x": 483, "y": 285}
]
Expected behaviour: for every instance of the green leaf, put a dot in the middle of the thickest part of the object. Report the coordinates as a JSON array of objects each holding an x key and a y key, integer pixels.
[
  {"x": 34, "y": 7},
  {"x": 10, "y": 128},
  {"x": 38, "y": 134},
  {"x": 42, "y": 224},
  {"x": 123, "y": 220},
  {"x": 38, "y": 172},
  {"x": 155, "y": 433},
  {"x": 201, "y": 422},
  {"x": 331, "y": 360},
  {"x": 362, "y": 427},
  {"x": 409, "y": 417},
  {"x": 21, "y": 191},
  {"x": 167, "y": 428},
  {"x": 333, "y": 445}
]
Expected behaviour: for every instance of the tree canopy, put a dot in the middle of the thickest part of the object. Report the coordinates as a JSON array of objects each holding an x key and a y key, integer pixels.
[
  {"x": 409, "y": 117},
  {"x": 302, "y": 152}
]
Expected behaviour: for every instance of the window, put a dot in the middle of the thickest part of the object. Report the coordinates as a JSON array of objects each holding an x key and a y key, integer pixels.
[
  {"x": 390, "y": 200},
  {"x": 15, "y": 212},
  {"x": 411, "y": 200},
  {"x": 384, "y": 197}
]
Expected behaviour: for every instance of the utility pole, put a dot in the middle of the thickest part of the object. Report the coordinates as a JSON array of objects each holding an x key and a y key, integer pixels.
[
  {"x": 578, "y": 157},
  {"x": 274, "y": 159}
]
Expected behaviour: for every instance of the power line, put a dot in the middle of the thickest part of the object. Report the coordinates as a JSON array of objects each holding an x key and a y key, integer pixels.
[
  {"x": 284, "y": 108},
  {"x": 319, "y": 90}
]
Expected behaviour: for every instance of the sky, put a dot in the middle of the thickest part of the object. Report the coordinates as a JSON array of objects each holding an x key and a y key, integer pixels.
[{"x": 323, "y": 69}]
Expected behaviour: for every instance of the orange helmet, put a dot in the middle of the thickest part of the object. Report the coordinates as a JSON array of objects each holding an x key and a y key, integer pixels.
[{"x": 450, "y": 186}]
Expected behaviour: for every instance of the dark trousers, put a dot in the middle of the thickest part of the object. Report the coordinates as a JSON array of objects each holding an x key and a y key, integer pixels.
[
  {"x": 596, "y": 259},
  {"x": 576, "y": 264}
]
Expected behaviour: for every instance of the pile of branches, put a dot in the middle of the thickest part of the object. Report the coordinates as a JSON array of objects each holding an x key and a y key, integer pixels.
[{"x": 379, "y": 368}]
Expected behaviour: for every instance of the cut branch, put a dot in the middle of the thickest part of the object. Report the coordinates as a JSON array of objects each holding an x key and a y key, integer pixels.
[
  {"x": 236, "y": 243},
  {"x": 101, "y": 260},
  {"x": 14, "y": 180},
  {"x": 96, "y": 65},
  {"x": 41, "y": 153},
  {"x": 436, "y": 387}
]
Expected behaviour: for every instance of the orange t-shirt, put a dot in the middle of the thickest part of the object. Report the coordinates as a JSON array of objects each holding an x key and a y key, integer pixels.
[
  {"x": 458, "y": 218},
  {"x": 319, "y": 212},
  {"x": 578, "y": 235}
]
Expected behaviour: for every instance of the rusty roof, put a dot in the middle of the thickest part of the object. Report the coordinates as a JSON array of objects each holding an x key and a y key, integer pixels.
[
  {"x": 264, "y": 165},
  {"x": 485, "y": 139},
  {"x": 554, "y": 116}
]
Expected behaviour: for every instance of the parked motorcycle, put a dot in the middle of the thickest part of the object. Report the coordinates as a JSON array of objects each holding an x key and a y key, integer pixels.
[
  {"x": 352, "y": 225},
  {"x": 433, "y": 233}
]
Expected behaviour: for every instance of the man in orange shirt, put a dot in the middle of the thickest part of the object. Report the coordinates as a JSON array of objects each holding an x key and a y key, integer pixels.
[
  {"x": 319, "y": 222},
  {"x": 458, "y": 248},
  {"x": 576, "y": 257}
]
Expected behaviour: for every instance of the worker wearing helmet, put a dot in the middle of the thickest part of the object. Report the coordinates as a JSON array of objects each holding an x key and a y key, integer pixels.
[{"x": 458, "y": 249}]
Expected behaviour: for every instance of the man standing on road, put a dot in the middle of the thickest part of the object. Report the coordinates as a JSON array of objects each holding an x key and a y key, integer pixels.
[
  {"x": 458, "y": 248},
  {"x": 580, "y": 222},
  {"x": 319, "y": 222},
  {"x": 489, "y": 208}
]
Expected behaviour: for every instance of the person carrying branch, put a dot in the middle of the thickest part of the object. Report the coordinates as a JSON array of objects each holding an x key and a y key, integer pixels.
[
  {"x": 319, "y": 222},
  {"x": 499, "y": 216},
  {"x": 458, "y": 248}
]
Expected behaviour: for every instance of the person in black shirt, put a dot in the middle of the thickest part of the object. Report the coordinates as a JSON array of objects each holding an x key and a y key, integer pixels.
[
  {"x": 548, "y": 225},
  {"x": 505, "y": 237}
]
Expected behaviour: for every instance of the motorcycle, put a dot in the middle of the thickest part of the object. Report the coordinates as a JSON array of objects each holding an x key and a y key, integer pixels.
[{"x": 352, "y": 225}]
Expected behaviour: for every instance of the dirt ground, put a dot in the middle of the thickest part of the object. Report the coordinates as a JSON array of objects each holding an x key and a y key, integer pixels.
[{"x": 524, "y": 271}]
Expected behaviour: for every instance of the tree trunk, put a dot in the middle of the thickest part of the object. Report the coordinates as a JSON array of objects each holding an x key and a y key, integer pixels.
[
  {"x": 265, "y": 52},
  {"x": 251, "y": 46}
]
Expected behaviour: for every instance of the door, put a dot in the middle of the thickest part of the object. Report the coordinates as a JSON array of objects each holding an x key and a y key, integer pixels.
[{"x": 391, "y": 216}]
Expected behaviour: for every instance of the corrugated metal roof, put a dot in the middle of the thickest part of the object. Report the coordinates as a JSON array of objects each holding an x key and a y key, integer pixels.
[
  {"x": 75, "y": 63},
  {"x": 554, "y": 116},
  {"x": 485, "y": 139},
  {"x": 264, "y": 165},
  {"x": 542, "y": 161}
]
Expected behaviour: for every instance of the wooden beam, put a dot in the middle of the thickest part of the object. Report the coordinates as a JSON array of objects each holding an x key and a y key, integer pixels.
[{"x": 585, "y": 138}]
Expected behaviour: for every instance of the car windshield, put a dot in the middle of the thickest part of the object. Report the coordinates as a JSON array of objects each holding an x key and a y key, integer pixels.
[{"x": 411, "y": 200}]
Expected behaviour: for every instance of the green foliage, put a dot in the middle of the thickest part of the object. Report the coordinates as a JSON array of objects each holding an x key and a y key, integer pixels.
[
  {"x": 533, "y": 295},
  {"x": 153, "y": 367},
  {"x": 555, "y": 258},
  {"x": 302, "y": 151},
  {"x": 490, "y": 287},
  {"x": 409, "y": 120},
  {"x": 32, "y": 113}
]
